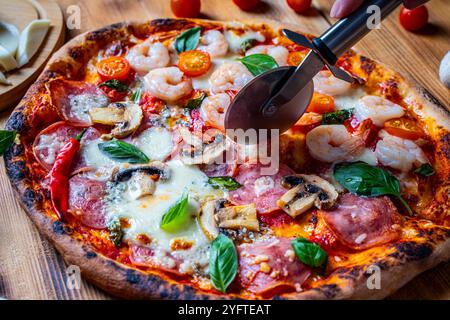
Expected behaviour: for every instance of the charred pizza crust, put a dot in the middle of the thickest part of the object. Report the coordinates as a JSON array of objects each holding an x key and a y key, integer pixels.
[{"x": 399, "y": 262}]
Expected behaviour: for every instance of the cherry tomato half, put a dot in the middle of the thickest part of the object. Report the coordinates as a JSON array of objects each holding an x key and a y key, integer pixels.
[
  {"x": 114, "y": 68},
  {"x": 247, "y": 5},
  {"x": 321, "y": 103},
  {"x": 194, "y": 63},
  {"x": 185, "y": 8},
  {"x": 403, "y": 128},
  {"x": 414, "y": 19},
  {"x": 299, "y": 6},
  {"x": 296, "y": 57}
]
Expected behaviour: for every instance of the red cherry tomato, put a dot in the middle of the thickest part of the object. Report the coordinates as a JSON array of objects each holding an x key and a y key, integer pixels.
[
  {"x": 299, "y": 6},
  {"x": 247, "y": 5},
  {"x": 414, "y": 19},
  {"x": 185, "y": 8},
  {"x": 114, "y": 68},
  {"x": 194, "y": 63}
]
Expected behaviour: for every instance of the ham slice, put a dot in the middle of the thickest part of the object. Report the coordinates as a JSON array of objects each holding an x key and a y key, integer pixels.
[
  {"x": 361, "y": 223},
  {"x": 146, "y": 257},
  {"x": 74, "y": 99},
  {"x": 263, "y": 190},
  {"x": 270, "y": 267}
]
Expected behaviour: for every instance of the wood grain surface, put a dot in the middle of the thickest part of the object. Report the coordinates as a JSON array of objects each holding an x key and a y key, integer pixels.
[
  {"x": 29, "y": 266},
  {"x": 23, "y": 77}
]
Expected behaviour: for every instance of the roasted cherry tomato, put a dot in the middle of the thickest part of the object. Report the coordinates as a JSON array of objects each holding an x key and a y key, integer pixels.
[
  {"x": 321, "y": 103},
  {"x": 114, "y": 68},
  {"x": 194, "y": 63},
  {"x": 403, "y": 128},
  {"x": 414, "y": 19},
  {"x": 247, "y": 5},
  {"x": 299, "y": 6},
  {"x": 296, "y": 57},
  {"x": 185, "y": 8}
]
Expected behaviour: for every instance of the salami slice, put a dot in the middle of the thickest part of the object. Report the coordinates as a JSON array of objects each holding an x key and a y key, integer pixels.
[
  {"x": 270, "y": 267},
  {"x": 146, "y": 257},
  {"x": 263, "y": 190},
  {"x": 361, "y": 223},
  {"x": 74, "y": 99},
  {"x": 49, "y": 142},
  {"x": 85, "y": 200}
]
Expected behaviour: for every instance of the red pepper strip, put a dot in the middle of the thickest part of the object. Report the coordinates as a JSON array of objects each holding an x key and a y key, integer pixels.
[{"x": 59, "y": 176}]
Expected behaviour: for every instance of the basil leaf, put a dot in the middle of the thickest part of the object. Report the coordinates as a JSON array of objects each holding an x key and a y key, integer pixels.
[
  {"x": 309, "y": 253},
  {"x": 425, "y": 170},
  {"x": 259, "y": 63},
  {"x": 6, "y": 140},
  {"x": 115, "y": 84},
  {"x": 224, "y": 182},
  {"x": 363, "y": 179},
  {"x": 195, "y": 103},
  {"x": 188, "y": 40},
  {"x": 136, "y": 97},
  {"x": 247, "y": 44},
  {"x": 177, "y": 215},
  {"x": 337, "y": 117},
  {"x": 115, "y": 232},
  {"x": 122, "y": 152},
  {"x": 223, "y": 262}
]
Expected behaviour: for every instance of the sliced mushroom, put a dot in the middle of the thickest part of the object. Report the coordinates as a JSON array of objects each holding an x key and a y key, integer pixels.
[
  {"x": 125, "y": 116},
  {"x": 157, "y": 170},
  {"x": 207, "y": 221},
  {"x": 199, "y": 151},
  {"x": 238, "y": 217},
  {"x": 140, "y": 185},
  {"x": 305, "y": 192}
]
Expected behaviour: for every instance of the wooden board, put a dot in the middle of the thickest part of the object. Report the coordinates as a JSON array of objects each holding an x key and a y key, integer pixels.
[
  {"x": 23, "y": 77},
  {"x": 29, "y": 266}
]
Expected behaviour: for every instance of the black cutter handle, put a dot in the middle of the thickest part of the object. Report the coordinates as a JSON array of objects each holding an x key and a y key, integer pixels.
[{"x": 348, "y": 31}]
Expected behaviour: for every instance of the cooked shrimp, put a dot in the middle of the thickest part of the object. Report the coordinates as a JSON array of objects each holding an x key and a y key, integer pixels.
[
  {"x": 326, "y": 83},
  {"x": 309, "y": 118},
  {"x": 331, "y": 143},
  {"x": 147, "y": 56},
  {"x": 279, "y": 53},
  {"x": 378, "y": 109},
  {"x": 229, "y": 76},
  {"x": 214, "y": 42},
  {"x": 168, "y": 83},
  {"x": 213, "y": 109},
  {"x": 398, "y": 153}
]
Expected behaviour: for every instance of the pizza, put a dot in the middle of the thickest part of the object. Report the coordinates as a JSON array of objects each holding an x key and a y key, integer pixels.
[{"x": 122, "y": 162}]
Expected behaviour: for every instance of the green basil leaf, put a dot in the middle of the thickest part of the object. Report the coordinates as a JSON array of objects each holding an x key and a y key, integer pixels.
[
  {"x": 115, "y": 232},
  {"x": 136, "y": 97},
  {"x": 174, "y": 219},
  {"x": 195, "y": 103},
  {"x": 115, "y": 84},
  {"x": 122, "y": 152},
  {"x": 223, "y": 262},
  {"x": 337, "y": 117},
  {"x": 248, "y": 44},
  {"x": 6, "y": 140},
  {"x": 425, "y": 170},
  {"x": 363, "y": 179},
  {"x": 224, "y": 182},
  {"x": 259, "y": 63},
  {"x": 188, "y": 40},
  {"x": 309, "y": 253}
]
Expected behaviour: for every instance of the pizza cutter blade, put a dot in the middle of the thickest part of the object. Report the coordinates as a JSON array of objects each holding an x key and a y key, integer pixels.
[{"x": 277, "y": 98}]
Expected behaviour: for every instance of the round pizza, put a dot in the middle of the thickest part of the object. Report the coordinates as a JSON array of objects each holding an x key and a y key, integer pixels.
[{"x": 122, "y": 160}]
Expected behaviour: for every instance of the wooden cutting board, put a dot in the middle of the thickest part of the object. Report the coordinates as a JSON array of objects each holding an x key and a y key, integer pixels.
[
  {"x": 29, "y": 266},
  {"x": 20, "y": 13}
]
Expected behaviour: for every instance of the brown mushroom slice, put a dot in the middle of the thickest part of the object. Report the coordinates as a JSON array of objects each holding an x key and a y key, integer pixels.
[
  {"x": 125, "y": 116},
  {"x": 238, "y": 217},
  {"x": 140, "y": 185},
  {"x": 207, "y": 221},
  {"x": 206, "y": 152},
  {"x": 306, "y": 191}
]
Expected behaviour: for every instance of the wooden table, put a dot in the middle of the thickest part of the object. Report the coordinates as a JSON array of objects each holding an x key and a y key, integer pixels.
[{"x": 29, "y": 266}]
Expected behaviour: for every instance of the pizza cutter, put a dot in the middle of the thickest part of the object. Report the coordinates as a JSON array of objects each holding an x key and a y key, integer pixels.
[{"x": 277, "y": 98}]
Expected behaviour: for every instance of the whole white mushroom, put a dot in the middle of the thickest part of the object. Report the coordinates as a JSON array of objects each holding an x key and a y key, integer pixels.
[{"x": 444, "y": 70}]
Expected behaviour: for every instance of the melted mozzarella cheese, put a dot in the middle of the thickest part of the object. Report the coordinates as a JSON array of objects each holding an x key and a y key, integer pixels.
[
  {"x": 202, "y": 82},
  {"x": 145, "y": 214},
  {"x": 350, "y": 99},
  {"x": 367, "y": 156},
  {"x": 81, "y": 104},
  {"x": 93, "y": 157},
  {"x": 51, "y": 146},
  {"x": 235, "y": 40},
  {"x": 155, "y": 142}
]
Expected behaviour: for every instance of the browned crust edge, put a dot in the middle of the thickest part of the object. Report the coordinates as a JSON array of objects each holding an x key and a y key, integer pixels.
[{"x": 406, "y": 260}]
